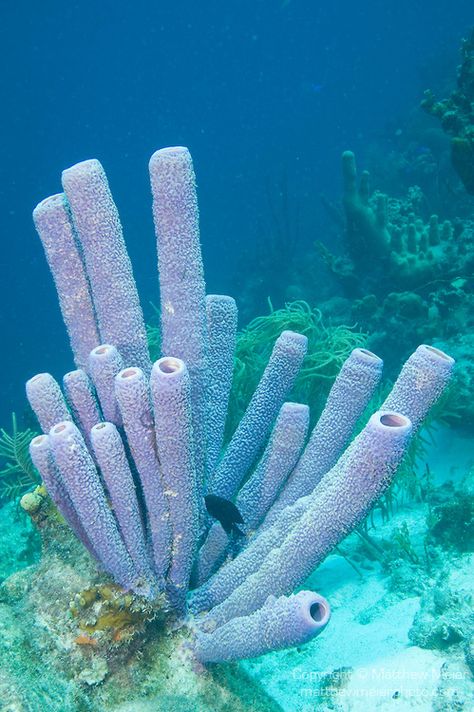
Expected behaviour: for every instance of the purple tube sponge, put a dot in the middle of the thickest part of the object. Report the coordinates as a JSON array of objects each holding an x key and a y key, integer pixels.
[
  {"x": 276, "y": 382},
  {"x": 54, "y": 225},
  {"x": 112, "y": 460},
  {"x": 171, "y": 395},
  {"x": 83, "y": 484},
  {"x": 280, "y": 456},
  {"x": 104, "y": 364},
  {"x": 82, "y": 401},
  {"x": 221, "y": 332},
  {"x": 349, "y": 396},
  {"x": 140, "y": 510},
  {"x": 236, "y": 571},
  {"x": 279, "y": 623},
  {"x": 420, "y": 383},
  {"x": 42, "y": 457},
  {"x": 47, "y": 401},
  {"x": 182, "y": 287},
  {"x": 339, "y": 503},
  {"x": 133, "y": 397},
  {"x": 259, "y": 492},
  {"x": 107, "y": 263}
]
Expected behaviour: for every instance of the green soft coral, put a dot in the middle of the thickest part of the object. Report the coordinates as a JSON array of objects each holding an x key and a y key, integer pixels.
[
  {"x": 328, "y": 347},
  {"x": 17, "y": 472}
]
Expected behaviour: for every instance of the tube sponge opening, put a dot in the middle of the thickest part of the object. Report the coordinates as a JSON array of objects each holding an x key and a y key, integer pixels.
[
  {"x": 394, "y": 420},
  {"x": 169, "y": 365},
  {"x": 436, "y": 353},
  {"x": 318, "y": 611}
]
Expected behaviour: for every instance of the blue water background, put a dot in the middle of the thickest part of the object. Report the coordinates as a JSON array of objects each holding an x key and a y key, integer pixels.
[{"x": 258, "y": 90}]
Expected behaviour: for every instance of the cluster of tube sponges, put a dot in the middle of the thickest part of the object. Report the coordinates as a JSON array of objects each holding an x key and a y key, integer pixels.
[{"x": 130, "y": 449}]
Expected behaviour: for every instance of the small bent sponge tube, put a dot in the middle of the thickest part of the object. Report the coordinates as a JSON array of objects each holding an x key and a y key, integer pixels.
[
  {"x": 46, "y": 400},
  {"x": 281, "y": 622}
]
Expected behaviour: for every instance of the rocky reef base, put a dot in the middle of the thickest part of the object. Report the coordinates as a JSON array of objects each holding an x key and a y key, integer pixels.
[{"x": 71, "y": 641}]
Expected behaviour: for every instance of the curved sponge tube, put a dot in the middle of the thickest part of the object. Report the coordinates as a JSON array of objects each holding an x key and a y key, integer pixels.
[
  {"x": 281, "y": 622},
  {"x": 47, "y": 401},
  {"x": 336, "y": 507},
  {"x": 276, "y": 382},
  {"x": 54, "y": 226},
  {"x": 133, "y": 397},
  {"x": 115, "y": 470},
  {"x": 108, "y": 267},
  {"x": 85, "y": 489}
]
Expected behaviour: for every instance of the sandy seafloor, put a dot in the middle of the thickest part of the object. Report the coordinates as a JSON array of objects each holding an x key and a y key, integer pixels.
[
  {"x": 366, "y": 643},
  {"x": 364, "y": 660}
]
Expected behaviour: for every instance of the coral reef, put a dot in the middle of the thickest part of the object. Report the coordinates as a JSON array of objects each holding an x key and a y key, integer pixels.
[
  {"x": 445, "y": 617},
  {"x": 405, "y": 277},
  {"x": 451, "y": 520},
  {"x": 456, "y": 114},
  {"x": 72, "y": 642},
  {"x": 390, "y": 249},
  {"x": 132, "y": 486}
]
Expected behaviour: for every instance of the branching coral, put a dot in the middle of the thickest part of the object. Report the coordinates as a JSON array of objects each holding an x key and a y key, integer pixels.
[
  {"x": 390, "y": 248},
  {"x": 132, "y": 486},
  {"x": 407, "y": 277}
]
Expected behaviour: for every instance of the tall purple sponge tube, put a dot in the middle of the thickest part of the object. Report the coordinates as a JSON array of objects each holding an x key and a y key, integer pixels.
[
  {"x": 54, "y": 226},
  {"x": 108, "y": 267},
  {"x": 133, "y": 396},
  {"x": 181, "y": 273},
  {"x": 274, "y": 385},
  {"x": 171, "y": 396}
]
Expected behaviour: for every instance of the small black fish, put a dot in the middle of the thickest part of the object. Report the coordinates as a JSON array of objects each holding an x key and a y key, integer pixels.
[{"x": 226, "y": 513}]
